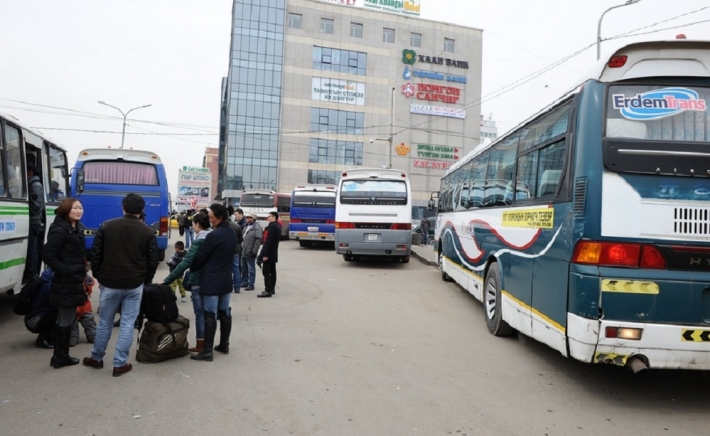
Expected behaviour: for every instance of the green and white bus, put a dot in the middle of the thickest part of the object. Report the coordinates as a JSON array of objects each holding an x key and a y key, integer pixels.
[
  {"x": 587, "y": 227},
  {"x": 21, "y": 146}
]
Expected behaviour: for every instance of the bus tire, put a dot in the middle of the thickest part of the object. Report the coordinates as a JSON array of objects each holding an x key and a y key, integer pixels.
[
  {"x": 492, "y": 306},
  {"x": 161, "y": 255},
  {"x": 348, "y": 257},
  {"x": 305, "y": 243},
  {"x": 404, "y": 259}
]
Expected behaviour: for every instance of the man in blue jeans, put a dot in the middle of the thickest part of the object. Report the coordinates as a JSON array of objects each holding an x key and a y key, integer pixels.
[
  {"x": 124, "y": 258},
  {"x": 251, "y": 242}
]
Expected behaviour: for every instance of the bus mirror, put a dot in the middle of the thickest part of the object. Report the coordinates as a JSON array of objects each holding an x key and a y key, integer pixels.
[
  {"x": 79, "y": 180},
  {"x": 431, "y": 205},
  {"x": 64, "y": 172}
]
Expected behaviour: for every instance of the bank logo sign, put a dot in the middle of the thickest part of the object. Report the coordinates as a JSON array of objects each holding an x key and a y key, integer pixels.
[
  {"x": 338, "y": 91},
  {"x": 406, "y": 7},
  {"x": 659, "y": 103},
  {"x": 437, "y": 111}
]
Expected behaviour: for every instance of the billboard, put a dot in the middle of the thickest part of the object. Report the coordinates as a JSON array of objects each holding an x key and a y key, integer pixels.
[
  {"x": 338, "y": 91},
  {"x": 194, "y": 186}
]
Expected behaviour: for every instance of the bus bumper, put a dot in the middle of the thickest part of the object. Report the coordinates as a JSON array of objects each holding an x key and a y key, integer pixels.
[
  {"x": 662, "y": 346},
  {"x": 311, "y": 236},
  {"x": 386, "y": 243}
]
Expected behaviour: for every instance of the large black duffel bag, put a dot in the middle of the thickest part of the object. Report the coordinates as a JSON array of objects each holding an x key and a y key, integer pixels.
[
  {"x": 158, "y": 304},
  {"x": 162, "y": 341}
]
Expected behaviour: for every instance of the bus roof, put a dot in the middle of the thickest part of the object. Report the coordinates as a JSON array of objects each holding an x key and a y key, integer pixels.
[
  {"x": 118, "y": 153},
  {"x": 258, "y": 191},
  {"x": 388, "y": 173},
  {"x": 314, "y": 187},
  {"x": 29, "y": 129},
  {"x": 670, "y": 58}
]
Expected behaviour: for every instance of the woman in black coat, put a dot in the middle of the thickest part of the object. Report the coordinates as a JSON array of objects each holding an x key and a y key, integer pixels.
[
  {"x": 64, "y": 255},
  {"x": 215, "y": 261}
]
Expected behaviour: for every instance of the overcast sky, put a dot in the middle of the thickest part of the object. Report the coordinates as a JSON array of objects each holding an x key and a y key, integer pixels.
[{"x": 63, "y": 56}]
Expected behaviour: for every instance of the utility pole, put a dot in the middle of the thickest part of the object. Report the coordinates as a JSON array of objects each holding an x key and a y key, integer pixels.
[{"x": 123, "y": 133}]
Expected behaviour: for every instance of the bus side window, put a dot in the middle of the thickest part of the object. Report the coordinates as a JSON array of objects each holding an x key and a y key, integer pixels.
[{"x": 15, "y": 175}]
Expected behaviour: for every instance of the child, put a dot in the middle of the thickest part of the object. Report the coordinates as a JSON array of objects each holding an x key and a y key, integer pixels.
[
  {"x": 172, "y": 263},
  {"x": 85, "y": 316}
]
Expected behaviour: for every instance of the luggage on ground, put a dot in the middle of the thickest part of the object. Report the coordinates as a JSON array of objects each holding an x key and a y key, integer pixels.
[
  {"x": 163, "y": 341},
  {"x": 158, "y": 304}
]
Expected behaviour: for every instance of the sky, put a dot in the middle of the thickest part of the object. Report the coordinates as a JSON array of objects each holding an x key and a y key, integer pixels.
[{"x": 60, "y": 58}]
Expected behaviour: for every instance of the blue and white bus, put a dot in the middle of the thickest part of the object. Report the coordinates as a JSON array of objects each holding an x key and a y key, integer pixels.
[
  {"x": 103, "y": 176},
  {"x": 312, "y": 214},
  {"x": 373, "y": 214},
  {"x": 587, "y": 227},
  {"x": 21, "y": 146}
]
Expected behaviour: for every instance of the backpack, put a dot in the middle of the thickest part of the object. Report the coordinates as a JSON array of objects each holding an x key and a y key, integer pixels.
[
  {"x": 158, "y": 304},
  {"x": 163, "y": 341},
  {"x": 21, "y": 305}
]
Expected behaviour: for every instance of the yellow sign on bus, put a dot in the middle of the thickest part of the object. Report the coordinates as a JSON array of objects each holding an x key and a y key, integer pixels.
[{"x": 536, "y": 218}]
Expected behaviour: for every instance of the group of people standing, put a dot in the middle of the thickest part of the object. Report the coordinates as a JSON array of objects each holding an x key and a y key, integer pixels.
[{"x": 220, "y": 259}]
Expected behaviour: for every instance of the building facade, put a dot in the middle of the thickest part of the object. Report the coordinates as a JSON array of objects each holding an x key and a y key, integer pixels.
[
  {"x": 317, "y": 87},
  {"x": 211, "y": 161},
  {"x": 489, "y": 130}
]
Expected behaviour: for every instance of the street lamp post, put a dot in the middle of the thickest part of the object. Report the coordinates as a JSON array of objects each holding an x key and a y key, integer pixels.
[
  {"x": 599, "y": 25},
  {"x": 389, "y": 139},
  {"x": 123, "y": 133}
]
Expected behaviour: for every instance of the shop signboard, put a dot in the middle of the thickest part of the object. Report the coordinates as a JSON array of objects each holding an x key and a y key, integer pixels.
[
  {"x": 437, "y": 111},
  {"x": 194, "y": 185},
  {"x": 338, "y": 91}
]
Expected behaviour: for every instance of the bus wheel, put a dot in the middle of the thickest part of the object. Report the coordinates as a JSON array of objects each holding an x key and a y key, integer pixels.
[
  {"x": 348, "y": 257},
  {"x": 305, "y": 243},
  {"x": 404, "y": 259},
  {"x": 492, "y": 304},
  {"x": 161, "y": 255}
]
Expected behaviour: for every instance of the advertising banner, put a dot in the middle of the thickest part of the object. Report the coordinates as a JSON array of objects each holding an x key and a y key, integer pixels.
[
  {"x": 438, "y": 111},
  {"x": 405, "y": 7},
  {"x": 338, "y": 91},
  {"x": 194, "y": 184}
]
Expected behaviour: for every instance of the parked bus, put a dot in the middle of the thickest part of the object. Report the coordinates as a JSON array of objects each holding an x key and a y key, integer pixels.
[
  {"x": 21, "y": 146},
  {"x": 262, "y": 201},
  {"x": 103, "y": 176},
  {"x": 373, "y": 214},
  {"x": 312, "y": 214},
  {"x": 589, "y": 229}
]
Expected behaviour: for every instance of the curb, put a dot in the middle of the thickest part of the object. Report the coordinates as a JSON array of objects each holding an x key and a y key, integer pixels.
[{"x": 423, "y": 259}]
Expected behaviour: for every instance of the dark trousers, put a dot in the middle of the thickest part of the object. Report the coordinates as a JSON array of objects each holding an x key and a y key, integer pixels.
[
  {"x": 269, "y": 271},
  {"x": 33, "y": 243}
]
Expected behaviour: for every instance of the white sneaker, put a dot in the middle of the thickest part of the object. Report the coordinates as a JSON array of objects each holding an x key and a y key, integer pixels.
[{"x": 183, "y": 299}]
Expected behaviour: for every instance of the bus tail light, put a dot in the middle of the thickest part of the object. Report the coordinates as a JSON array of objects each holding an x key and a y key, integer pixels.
[
  {"x": 618, "y": 254},
  {"x": 296, "y": 220},
  {"x": 330, "y": 221},
  {"x": 344, "y": 225},
  {"x": 163, "y": 226},
  {"x": 401, "y": 226},
  {"x": 617, "y": 61},
  {"x": 631, "y": 334}
]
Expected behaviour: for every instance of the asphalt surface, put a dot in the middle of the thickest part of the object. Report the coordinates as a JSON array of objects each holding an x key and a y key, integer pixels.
[{"x": 346, "y": 348}]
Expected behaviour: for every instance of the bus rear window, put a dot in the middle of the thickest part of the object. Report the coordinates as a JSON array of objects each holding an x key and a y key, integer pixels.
[
  {"x": 373, "y": 192},
  {"x": 307, "y": 199},
  {"x": 257, "y": 200},
  {"x": 120, "y": 173}
]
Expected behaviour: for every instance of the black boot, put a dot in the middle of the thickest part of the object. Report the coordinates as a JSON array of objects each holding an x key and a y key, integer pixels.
[
  {"x": 61, "y": 348},
  {"x": 225, "y": 329},
  {"x": 210, "y": 331},
  {"x": 42, "y": 342}
]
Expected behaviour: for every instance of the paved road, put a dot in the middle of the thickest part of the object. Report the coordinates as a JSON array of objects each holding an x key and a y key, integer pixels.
[{"x": 347, "y": 349}]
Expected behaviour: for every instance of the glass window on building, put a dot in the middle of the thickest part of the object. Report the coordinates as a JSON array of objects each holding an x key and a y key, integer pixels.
[
  {"x": 356, "y": 30},
  {"x": 343, "y": 61},
  {"x": 388, "y": 35},
  {"x": 415, "y": 39},
  {"x": 449, "y": 45},
  {"x": 323, "y": 177},
  {"x": 327, "y": 25},
  {"x": 335, "y": 152},
  {"x": 295, "y": 21}
]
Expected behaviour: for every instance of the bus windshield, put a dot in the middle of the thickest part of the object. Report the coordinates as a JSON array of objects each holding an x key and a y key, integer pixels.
[
  {"x": 120, "y": 173},
  {"x": 257, "y": 200},
  {"x": 311, "y": 200},
  {"x": 382, "y": 192}
]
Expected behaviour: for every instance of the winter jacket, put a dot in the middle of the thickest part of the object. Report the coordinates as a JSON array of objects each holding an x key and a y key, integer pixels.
[
  {"x": 36, "y": 199},
  {"x": 188, "y": 221},
  {"x": 270, "y": 248},
  {"x": 88, "y": 288},
  {"x": 64, "y": 254},
  {"x": 194, "y": 279},
  {"x": 240, "y": 237},
  {"x": 39, "y": 304},
  {"x": 125, "y": 253},
  {"x": 215, "y": 259},
  {"x": 252, "y": 240},
  {"x": 176, "y": 259}
]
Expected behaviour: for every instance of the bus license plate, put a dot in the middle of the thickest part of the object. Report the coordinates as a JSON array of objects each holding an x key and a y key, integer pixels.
[
  {"x": 372, "y": 237},
  {"x": 312, "y": 229}
]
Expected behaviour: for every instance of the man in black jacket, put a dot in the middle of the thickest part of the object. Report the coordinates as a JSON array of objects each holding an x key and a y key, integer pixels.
[
  {"x": 270, "y": 254},
  {"x": 124, "y": 258}
]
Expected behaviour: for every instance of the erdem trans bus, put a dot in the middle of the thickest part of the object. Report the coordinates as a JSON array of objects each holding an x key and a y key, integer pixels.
[
  {"x": 587, "y": 227},
  {"x": 312, "y": 214},
  {"x": 373, "y": 214},
  {"x": 262, "y": 201},
  {"x": 21, "y": 146},
  {"x": 103, "y": 176}
]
